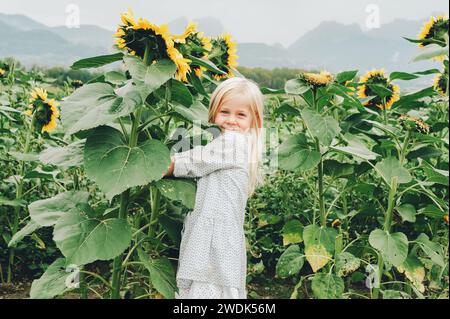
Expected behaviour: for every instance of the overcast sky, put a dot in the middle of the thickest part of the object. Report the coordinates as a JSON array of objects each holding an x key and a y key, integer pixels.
[{"x": 268, "y": 21}]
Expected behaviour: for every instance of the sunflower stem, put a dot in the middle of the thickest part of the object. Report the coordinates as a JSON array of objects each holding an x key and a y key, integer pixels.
[
  {"x": 384, "y": 112},
  {"x": 405, "y": 146},
  {"x": 19, "y": 193},
  {"x": 147, "y": 54},
  {"x": 391, "y": 204}
]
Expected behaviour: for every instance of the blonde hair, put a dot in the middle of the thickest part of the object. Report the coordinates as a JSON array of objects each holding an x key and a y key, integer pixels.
[{"x": 238, "y": 86}]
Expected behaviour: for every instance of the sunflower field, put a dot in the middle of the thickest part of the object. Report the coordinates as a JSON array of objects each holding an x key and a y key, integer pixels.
[{"x": 357, "y": 207}]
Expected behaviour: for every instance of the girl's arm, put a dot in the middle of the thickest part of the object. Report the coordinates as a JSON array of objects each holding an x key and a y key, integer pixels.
[{"x": 229, "y": 150}]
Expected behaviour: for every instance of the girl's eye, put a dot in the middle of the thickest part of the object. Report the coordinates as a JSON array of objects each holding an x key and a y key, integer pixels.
[
  {"x": 242, "y": 114},
  {"x": 223, "y": 111}
]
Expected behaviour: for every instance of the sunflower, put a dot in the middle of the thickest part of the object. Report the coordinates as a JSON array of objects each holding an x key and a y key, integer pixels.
[
  {"x": 377, "y": 77},
  {"x": 223, "y": 55},
  {"x": 434, "y": 31},
  {"x": 194, "y": 43},
  {"x": 317, "y": 80},
  {"x": 76, "y": 83},
  {"x": 44, "y": 110},
  {"x": 135, "y": 35},
  {"x": 4, "y": 68},
  {"x": 440, "y": 84},
  {"x": 413, "y": 123}
]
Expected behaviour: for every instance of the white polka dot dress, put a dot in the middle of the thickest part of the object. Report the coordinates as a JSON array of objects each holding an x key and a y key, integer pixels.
[{"x": 212, "y": 261}]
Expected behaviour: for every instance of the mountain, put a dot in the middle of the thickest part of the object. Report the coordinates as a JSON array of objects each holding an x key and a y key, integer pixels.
[
  {"x": 20, "y": 22},
  {"x": 90, "y": 35}
]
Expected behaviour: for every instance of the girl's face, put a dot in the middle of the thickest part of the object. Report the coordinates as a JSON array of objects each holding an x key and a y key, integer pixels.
[{"x": 234, "y": 114}]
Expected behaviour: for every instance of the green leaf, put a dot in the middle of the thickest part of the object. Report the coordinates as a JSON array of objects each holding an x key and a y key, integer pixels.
[
  {"x": 380, "y": 90},
  {"x": 319, "y": 245},
  {"x": 431, "y": 249},
  {"x": 178, "y": 189},
  {"x": 290, "y": 262},
  {"x": 196, "y": 112},
  {"x": 83, "y": 240},
  {"x": 325, "y": 128},
  {"x": 431, "y": 51},
  {"x": 96, "y": 104},
  {"x": 414, "y": 271},
  {"x": 162, "y": 274},
  {"x": 346, "y": 263},
  {"x": 180, "y": 93},
  {"x": 115, "y": 77},
  {"x": 402, "y": 76},
  {"x": 25, "y": 157},
  {"x": 151, "y": 77},
  {"x": 407, "y": 212},
  {"x": 296, "y": 86},
  {"x": 294, "y": 154},
  {"x": 29, "y": 228},
  {"x": 52, "y": 283},
  {"x": 345, "y": 76},
  {"x": 46, "y": 212},
  {"x": 265, "y": 90},
  {"x": 393, "y": 246},
  {"x": 115, "y": 166},
  {"x": 13, "y": 203},
  {"x": 292, "y": 232},
  {"x": 336, "y": 169},
  {"x": 390, "y": 167},
  {"x": 206, "y": 64},
  {"x": 64, "y": 157},
  {"x": 286, "y": 108},
  {"x": 327, "y": 286},
  {"x": 96, "y": 61}
]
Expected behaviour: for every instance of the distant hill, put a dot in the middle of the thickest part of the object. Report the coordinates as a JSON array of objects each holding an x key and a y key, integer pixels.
[{"x": 330, "y": 45}]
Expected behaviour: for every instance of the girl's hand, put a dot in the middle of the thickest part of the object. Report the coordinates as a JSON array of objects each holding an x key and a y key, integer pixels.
[{"x": 171, "y": 167}]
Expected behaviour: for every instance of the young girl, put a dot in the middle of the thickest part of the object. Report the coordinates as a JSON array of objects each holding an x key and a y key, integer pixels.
[{"x": 213, "y": 262}]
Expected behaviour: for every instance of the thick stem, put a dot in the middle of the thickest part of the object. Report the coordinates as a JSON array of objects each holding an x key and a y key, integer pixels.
[
  {"x": 323, "y": 220},
  {"x": 117, "y": 264},
  {"x": 405, "y": 146},
  {"x": 19, "y": 192},
  {"x": 155, "y": 198},
  {"x": 391, "y": 204},
  {"x": 376, "y": 290}
]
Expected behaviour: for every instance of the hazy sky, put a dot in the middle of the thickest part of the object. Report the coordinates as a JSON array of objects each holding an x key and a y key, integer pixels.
[{"x": 266, "y": 21}]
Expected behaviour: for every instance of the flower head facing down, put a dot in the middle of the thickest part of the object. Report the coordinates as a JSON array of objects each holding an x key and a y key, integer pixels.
[
  {"x": 4, "y": 68},
  {"x": 434, "y": 31},
  {"x": 414, "y": 123},
  {"x": 377, "y": 77},
  {"x": 45, "y": 111},
  {"x": 137, "y": 35},
  {"x": 223, "y": 55},
  {"x": 317, "y": 80},
  {"x": 440, "y": 84},
  {"x": 193, "y": 43}
]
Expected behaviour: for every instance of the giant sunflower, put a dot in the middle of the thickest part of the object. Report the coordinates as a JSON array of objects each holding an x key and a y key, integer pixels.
[
  {"x": 134, "y": 36},
  {"x": 414, "y": 123},
  {"x": 44, "y": 110},
  {"x": 194, "y": 43},
  {"x": 440, "y": 83},
  {"x": 316, "y": 80},
  {"x": 4, "y": 68},
  {"x": 434, "y": 31},
  {"x": 377, "y": 77},
  {"x": 223, "y": 55}
]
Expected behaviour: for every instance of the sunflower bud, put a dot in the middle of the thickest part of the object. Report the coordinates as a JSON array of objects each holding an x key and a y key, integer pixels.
[
  {"x": 317, "y": 80},
  {"x": 336, "y": 223},
  {"x": 413, "y": 123},
  {"x": 76, "y": 84}
]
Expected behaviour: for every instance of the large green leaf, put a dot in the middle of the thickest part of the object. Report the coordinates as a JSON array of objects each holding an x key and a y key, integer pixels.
[
  {"x": 206, "y": 64},
  {"x": 64, "y": 157},
  {"x": 149, "y": 77},
  {"x": 97, "y": 61},
  {"x": 319, "y": 245},
  {"x": 96, "y": 104},
  {"x": 46, "y": 212},
  {"x": 390, "y": 167},
  {"x": 180, "y": 93},
  {"x": 162, "y": 274},
  {"x": 325, "y": 128},
  {"x": 53, "y": 282},
  {"x": 178, "y": 189},
  {"x": 115, "y": 166},
  {"x": 344, "y": 76},
  {"x": 294, "y": 154},
  {"x": 83, "y": 239},
  {"x": 414, "y": 271},
  {"x": 407, "y": 212},
  {"x": 290, "y": 262},
  {"x": 393, "y": 246},
  {"x": 432, "y": 249},
  {"x": 431, "y": 51},
  {"x": 327, "y": 286},
  {"x": 296, "y": 86}
]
